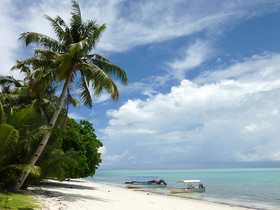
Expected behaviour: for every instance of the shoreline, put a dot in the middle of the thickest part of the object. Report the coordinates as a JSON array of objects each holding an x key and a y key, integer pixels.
[
  {"x": 177, "y": 196},
  {"x": 84, "y": 194}
]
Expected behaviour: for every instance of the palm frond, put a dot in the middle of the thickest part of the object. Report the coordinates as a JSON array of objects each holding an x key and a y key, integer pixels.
[
  {"x": 2, "y": 114},
  {"x": 77, "y": 10},
  {"x": 10, "y": 81},
  {"x": 22, "y": 67},
  {"x": 42, "y": 40},
  {"x": 76, "y": 23},
  {"x": 32, "y": 139},
  {"x": 40, "y": 84},
  {"x": 73, "y": 102},
  {"x": 94, "y": 38},
  {"x": 90, "y": 27},
  {"x": 32, "y": 169},
  {"x": 8, "y": 138},
  {"x": 111, "y": 69},
  {"x": 48, "y": 54},
  {"x": 49, "y": 105},
  {"x": 65, "y": 65},
  {"x": 97, "y": 56},
  {"x": 42, "y": 60},
  {"x": 100, "y": 81},
  {"x": 57, "y": 25},
  {"x": 70, "y": 100},
  {"x": 9, "y": 101},
  {"x": 22, "y": 64},
  {"x": 79, "y": 48},
  {"x": 20, "y": 117},
  {"x": 85, "y": 95}
]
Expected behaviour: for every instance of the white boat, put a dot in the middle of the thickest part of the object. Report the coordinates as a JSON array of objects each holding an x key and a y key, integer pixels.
[
  {"x": 144, "y": 182},
  {"x": 187, "y": 186}
]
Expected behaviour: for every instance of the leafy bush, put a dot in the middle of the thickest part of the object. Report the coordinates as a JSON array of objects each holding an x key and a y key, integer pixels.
[{"x": 81, "y": 140}]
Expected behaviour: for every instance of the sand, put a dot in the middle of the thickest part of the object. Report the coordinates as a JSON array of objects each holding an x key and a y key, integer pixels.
[{"x": 81, "y": 194}]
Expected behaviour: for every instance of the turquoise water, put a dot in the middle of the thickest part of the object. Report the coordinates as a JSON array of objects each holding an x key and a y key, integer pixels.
[{"x": 254, "y": 188}]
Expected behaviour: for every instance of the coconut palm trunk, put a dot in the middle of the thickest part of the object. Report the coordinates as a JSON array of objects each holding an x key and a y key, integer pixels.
[{"x": 20, "y": 180}]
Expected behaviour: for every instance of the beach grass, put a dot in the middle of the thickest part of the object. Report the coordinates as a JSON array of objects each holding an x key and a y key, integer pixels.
[{"x": 18, "y": 201}]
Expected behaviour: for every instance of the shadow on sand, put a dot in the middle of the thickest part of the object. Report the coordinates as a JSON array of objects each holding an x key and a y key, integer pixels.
[
  {"x": 51, "y": 192},
  {"x": 65, "y": 185},
  {"x": 69, "y": 197}
]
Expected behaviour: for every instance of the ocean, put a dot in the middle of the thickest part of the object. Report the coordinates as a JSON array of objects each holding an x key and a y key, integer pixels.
[{"x": 257, "y": 188}]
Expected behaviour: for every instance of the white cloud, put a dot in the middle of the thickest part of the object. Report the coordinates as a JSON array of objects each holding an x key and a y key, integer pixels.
[
  {"x": 8, "y": 38},
  {"x": 225, "y": 120},
  {"x": 112, "y": 159},
  {"x": 129, "y": 23},
  {"x": 13, "y": 22},
  {"x": 99, "y": 99},
  {"x": 147, "y": 88},
  {"x": 76, "y": 116},
  {"x": 145, "y": 22},
  {"x": 191, "y": 57},
  {"x": 251, "y": 128},
  {"x": 133, "y": 23},
  {"x": 273, "y": 156},
  {"x": 115, "y": 160},
  {"x": 102, "y": 150},
  {"x": 262, "y": 65}
]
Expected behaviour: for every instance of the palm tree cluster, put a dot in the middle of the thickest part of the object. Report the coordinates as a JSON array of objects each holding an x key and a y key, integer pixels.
[{"x": 60, "y": 62}]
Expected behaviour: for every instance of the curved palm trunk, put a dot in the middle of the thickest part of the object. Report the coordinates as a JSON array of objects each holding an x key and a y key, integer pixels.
[
  {"x": 67, "y": 108},
  {"x": 20, "y": 180}
]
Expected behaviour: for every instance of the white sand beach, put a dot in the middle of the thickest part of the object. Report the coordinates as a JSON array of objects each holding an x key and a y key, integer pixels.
[{"x": 81, "y": 194}]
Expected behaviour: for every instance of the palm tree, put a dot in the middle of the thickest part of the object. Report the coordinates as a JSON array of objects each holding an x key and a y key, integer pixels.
[
  {"x": 66, "y": 59},
  {"x": 18, "y": 94}
]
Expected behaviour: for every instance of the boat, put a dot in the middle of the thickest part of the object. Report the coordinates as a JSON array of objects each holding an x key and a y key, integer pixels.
[
  {"x": 144, "y": 182},
  {"x": 187, "y": 186}
]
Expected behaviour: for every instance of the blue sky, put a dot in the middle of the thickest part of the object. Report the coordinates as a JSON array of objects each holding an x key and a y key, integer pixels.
[{"x": 204, "y": 78}]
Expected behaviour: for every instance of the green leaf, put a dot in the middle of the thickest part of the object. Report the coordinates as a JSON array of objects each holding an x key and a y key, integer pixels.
[
  {"x": 34, "y": 170},
  {"x": 8, "y": 139},
  {"x": 2, "y": 114}
]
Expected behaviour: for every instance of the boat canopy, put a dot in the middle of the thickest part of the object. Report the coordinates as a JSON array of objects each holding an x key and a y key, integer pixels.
[{"x": 188, "y": 181}]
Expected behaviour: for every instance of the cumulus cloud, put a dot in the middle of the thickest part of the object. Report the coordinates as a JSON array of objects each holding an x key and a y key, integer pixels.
[{"x": 227, "y": 120}]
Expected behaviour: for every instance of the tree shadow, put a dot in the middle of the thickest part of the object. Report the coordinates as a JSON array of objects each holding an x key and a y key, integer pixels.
[
  {"x": 69, "y": 197},
  {"x": 65, "y": 185},
  {"x": 25, "y": 208}
]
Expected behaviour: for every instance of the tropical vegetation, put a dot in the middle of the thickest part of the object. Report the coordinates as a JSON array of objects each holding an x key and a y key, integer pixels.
[
  {"x": 71, "y": 145},
  {"x": 33, "y": 120}
]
